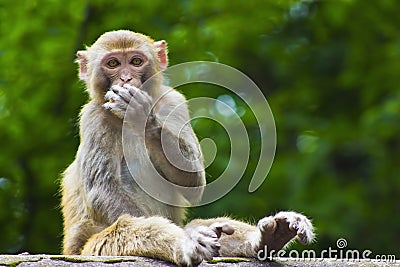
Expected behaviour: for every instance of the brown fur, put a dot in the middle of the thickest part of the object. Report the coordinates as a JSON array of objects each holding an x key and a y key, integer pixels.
[{"x": 105, "y": 212}]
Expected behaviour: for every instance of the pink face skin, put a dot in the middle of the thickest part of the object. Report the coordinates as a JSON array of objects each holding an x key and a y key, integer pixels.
[{"x": 125, "y": 67}]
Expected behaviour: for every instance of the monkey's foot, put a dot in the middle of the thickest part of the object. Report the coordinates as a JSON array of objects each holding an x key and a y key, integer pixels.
[
  {"x": 278, "y": 230},
  {"x": 202, "y": 243}
]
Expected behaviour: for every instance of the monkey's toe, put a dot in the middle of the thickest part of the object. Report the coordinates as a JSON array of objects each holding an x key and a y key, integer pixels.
[{"x": 279, "y": 230}]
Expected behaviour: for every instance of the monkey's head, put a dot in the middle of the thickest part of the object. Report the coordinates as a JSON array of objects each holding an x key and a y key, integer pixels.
[{"x": 121, "y": 57}]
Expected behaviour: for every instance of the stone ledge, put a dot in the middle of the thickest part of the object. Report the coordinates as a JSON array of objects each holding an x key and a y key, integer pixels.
[{"x": 108, "y": 261}]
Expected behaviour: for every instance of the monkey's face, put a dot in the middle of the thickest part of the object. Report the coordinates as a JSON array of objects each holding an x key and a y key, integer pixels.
[
  {"x": 125, "y": 67},
  {"x": 119, "y": 58}
]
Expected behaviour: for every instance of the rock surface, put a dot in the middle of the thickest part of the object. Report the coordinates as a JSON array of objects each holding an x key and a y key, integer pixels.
[{"x": 93, "y": 261}]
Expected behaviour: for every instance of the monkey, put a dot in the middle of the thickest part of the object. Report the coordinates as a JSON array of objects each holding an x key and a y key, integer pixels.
[{"x": 105, "y": 211}]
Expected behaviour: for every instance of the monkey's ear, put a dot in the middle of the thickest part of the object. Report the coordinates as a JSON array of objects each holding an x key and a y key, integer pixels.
[
  {"x": 162, "y": 52},
  {"x": 83, "y": 62}
]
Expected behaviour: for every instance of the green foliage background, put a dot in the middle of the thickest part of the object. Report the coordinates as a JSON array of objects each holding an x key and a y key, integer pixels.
[{"x": 329, "y": 69}]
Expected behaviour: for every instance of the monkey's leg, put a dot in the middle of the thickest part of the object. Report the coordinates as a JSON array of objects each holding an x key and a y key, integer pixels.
[
  {"x": 271, "y": 233},
  {"x": 154, "y": 237},
  {"x": 77, "y": 234}
]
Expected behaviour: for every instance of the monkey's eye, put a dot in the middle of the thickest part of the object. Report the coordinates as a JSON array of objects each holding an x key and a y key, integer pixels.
[
  {"x": 113, "y": 63},
  {"x": 137, "y": 61}
]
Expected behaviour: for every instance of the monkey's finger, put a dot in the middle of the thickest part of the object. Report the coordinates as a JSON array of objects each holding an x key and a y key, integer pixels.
[
  {"x": 113, "y": 96},
  {"x": 220, "y": 228},
  {"x": 115, "y": 109},
  {"x": 302, "y": 237},
  {"x": 110, "y": 96},
  {"x": 132, "y": 89},
  {"x": 122, "y": 93},
  {"x": 142, "y": 96},
  {"x": 267, "y": 225},
  {"x": 208, "y": 247},
  {"x": 209, "y": 242},
  {"x": 116, "y": 104},
  {"x": 125, "y": 95}
]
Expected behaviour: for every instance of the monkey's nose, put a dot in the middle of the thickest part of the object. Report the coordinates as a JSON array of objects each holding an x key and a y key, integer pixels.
[{"x": 126, "y": 79}]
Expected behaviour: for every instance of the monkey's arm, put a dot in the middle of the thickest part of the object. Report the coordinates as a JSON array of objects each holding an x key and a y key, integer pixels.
[
  {"x": 271, "y": 233},
  {"x": 130, "y": 236},
  {"x": 156, "y": 237},
  {"x": 171, "y": 142}
]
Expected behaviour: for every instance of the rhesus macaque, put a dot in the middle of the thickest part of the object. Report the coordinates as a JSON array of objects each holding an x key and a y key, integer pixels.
[{"x": 105, "y": 211}]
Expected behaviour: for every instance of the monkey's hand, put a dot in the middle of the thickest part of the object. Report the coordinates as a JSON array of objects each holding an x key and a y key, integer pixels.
[
  {"x": 277, "y": 231},
  {"x": 202, "y": 243},
  {"x": 130, "y": 101}
]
